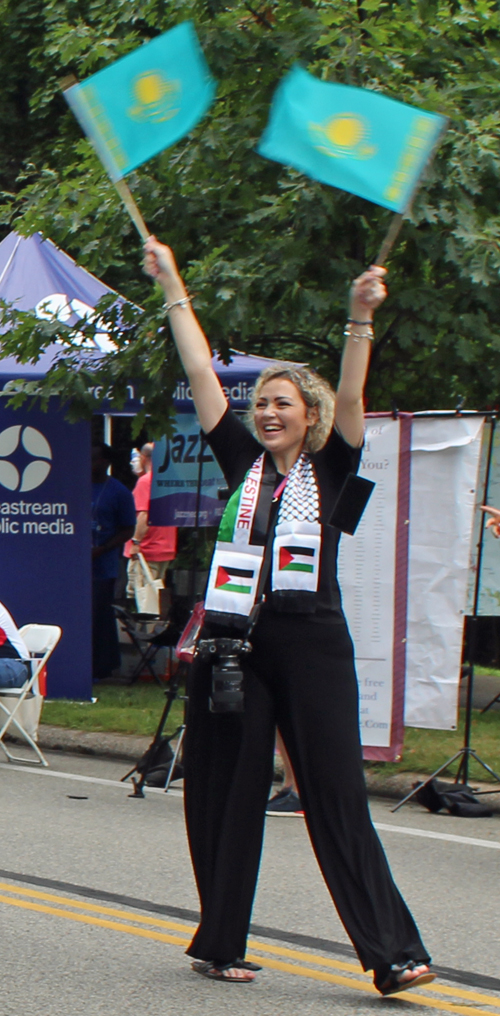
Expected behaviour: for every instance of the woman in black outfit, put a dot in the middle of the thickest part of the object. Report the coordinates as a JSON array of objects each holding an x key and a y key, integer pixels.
[{"x": 284, "y": 479}]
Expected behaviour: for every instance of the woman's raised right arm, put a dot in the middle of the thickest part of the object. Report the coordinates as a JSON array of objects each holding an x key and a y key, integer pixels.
[{"x": 191, "y": 342}]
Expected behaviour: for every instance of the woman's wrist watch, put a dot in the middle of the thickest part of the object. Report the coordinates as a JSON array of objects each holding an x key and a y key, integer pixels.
[{"x": 136, "y": 542}]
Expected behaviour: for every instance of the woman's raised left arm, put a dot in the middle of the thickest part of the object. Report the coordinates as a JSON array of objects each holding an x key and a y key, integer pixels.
[{"x": 367, "y": 293}]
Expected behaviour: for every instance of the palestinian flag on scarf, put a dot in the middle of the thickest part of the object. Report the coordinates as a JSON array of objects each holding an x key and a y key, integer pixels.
[
  {"x": 237, "y": 561},
  {"x": 296, "y": 559},
  {"x": 234, "y": 580}
]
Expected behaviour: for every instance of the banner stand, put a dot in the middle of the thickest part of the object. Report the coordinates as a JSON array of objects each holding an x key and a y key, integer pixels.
[{"x": 466, "y": 753}]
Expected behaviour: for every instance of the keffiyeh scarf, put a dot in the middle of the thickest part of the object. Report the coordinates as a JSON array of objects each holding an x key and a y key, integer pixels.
[{"x": 234, "y": 584}]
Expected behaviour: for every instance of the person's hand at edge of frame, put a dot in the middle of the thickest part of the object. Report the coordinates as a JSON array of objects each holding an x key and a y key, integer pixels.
[{"x": 493, "y": 523}]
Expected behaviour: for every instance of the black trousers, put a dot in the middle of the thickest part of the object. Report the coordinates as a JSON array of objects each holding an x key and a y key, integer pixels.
[{"x": 300, "y": 676}]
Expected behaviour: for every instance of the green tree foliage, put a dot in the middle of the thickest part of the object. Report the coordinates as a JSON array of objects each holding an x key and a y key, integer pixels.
[{"x": 268, "y": 252}]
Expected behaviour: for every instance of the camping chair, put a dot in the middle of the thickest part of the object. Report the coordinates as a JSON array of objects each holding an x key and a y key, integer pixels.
[
  {"x": 147, "y": 645},
  {"x": 40, "y": 640}
]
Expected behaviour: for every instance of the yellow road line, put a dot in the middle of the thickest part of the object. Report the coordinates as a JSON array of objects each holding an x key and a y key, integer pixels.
[
  {"x": 441, "y": 989},
  {"x": 293, "y": 954},
  {"x": 172, "y": 925},
  {"x": 96, "y": 908},
  {"x": 444, "y": 989},
  {"x": 128, "y": 929},
  {"x": 349, "y": 982}
]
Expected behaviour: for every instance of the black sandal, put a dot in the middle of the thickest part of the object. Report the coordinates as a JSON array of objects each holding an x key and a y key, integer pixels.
[
  {"x": 410, "y": 975},
  {"x": 216, "y": 971},
  {"x": 246, "y": 965}
]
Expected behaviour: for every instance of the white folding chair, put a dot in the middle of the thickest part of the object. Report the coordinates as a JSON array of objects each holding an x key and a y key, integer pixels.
[{"x": 40, "y": 640}]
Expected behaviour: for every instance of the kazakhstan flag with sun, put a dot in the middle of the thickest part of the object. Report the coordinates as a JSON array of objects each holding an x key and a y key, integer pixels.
[
  {"x": 351, "y": 138},
  {"x": 145, "y": 102}
]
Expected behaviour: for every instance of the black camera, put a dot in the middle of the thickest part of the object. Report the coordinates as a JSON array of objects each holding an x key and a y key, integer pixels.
[{"x": 227, "y": 676}]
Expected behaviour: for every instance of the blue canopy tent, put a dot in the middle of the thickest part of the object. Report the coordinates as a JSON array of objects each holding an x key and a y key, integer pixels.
[
  {"x": 36, "y": 275},
  {"x": 45, "y": 495},
  {"x": 45, "y": 470}
]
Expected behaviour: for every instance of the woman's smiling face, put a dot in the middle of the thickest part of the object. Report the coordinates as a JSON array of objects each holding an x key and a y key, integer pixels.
[{"x": 282, "y": 418}]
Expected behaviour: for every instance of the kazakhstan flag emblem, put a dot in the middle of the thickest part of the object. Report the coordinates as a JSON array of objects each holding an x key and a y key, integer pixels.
[
  {"x": 345, "y": 135},
  {"x": 156, "y": 97}
]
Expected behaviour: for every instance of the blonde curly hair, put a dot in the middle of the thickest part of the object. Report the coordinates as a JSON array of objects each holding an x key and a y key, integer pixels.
[{"x": 315, "y": 391}]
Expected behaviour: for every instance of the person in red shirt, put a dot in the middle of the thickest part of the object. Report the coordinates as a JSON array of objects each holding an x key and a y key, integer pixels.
[{"x": 158, "y": 544}]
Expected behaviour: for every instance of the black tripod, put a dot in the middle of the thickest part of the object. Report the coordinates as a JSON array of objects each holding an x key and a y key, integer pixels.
[
  {"x": 492, "y": 703},
  {"x": 149, "y": 761},
  {"x": 466, "y": 753}
]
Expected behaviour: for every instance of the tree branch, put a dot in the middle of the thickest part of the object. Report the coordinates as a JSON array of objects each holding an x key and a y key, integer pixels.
[
  {"x": 259, "y": 17},
  {"x": 386, "y": 337},
  {"x": 293, "y": 337}
]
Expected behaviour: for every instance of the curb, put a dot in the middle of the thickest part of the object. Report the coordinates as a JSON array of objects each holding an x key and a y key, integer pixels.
[
  {"x": 123, "y": 747},
  {"x": 130, "y": 747}
]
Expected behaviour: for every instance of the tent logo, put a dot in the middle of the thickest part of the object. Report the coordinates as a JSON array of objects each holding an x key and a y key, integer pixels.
[{"x": 36, "y": 471}]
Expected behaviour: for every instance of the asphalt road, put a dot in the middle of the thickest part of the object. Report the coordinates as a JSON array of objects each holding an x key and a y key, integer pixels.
[{"x": 97, "y": 904}]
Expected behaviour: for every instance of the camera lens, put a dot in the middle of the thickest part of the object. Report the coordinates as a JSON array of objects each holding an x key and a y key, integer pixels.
[
  {"x": 227, "y": 676},
  {"x": 227, "y": 686}
]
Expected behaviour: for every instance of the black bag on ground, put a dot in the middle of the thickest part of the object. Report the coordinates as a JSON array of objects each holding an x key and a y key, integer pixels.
[
  {"x": 156, "y": 761},
  {"x": 158, "y": 777},
  {"x": 456, "y": 798},
  {"x": 429, "y": 797},
  {"x": 159, "y": 754},
  {"x": 473, "y": 810}
]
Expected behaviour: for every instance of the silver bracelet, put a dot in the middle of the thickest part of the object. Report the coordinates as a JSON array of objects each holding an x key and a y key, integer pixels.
[
  {"x": 167, "y": 307},
  {"x": 351, "y": 333}
]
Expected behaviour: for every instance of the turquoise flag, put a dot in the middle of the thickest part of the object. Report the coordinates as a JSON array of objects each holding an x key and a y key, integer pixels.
[
  {"x": 146, "y": 101},
  {"x": 351, "y": 138}
]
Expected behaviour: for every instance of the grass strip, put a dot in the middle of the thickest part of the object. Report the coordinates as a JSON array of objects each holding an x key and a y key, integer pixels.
[
  {"x": 134, "y": 709},
  {"x": 425, "y": 750}
]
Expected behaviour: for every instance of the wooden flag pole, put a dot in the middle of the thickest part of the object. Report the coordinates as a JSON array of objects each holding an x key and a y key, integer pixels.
[
  {"x": 389, "y": 239},
  {"x": 132, "y": 209},
  {"x": 122, "y": 188}
]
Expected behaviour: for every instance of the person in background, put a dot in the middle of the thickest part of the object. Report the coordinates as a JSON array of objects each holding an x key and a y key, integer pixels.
[
  {"x": 158, "y": 544},
  {"x": 113, "y": 523},
  {"x": 136, "y": 463},
  {"x": 15, "y": 667},
  {"x": 286, "y": 801}
]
